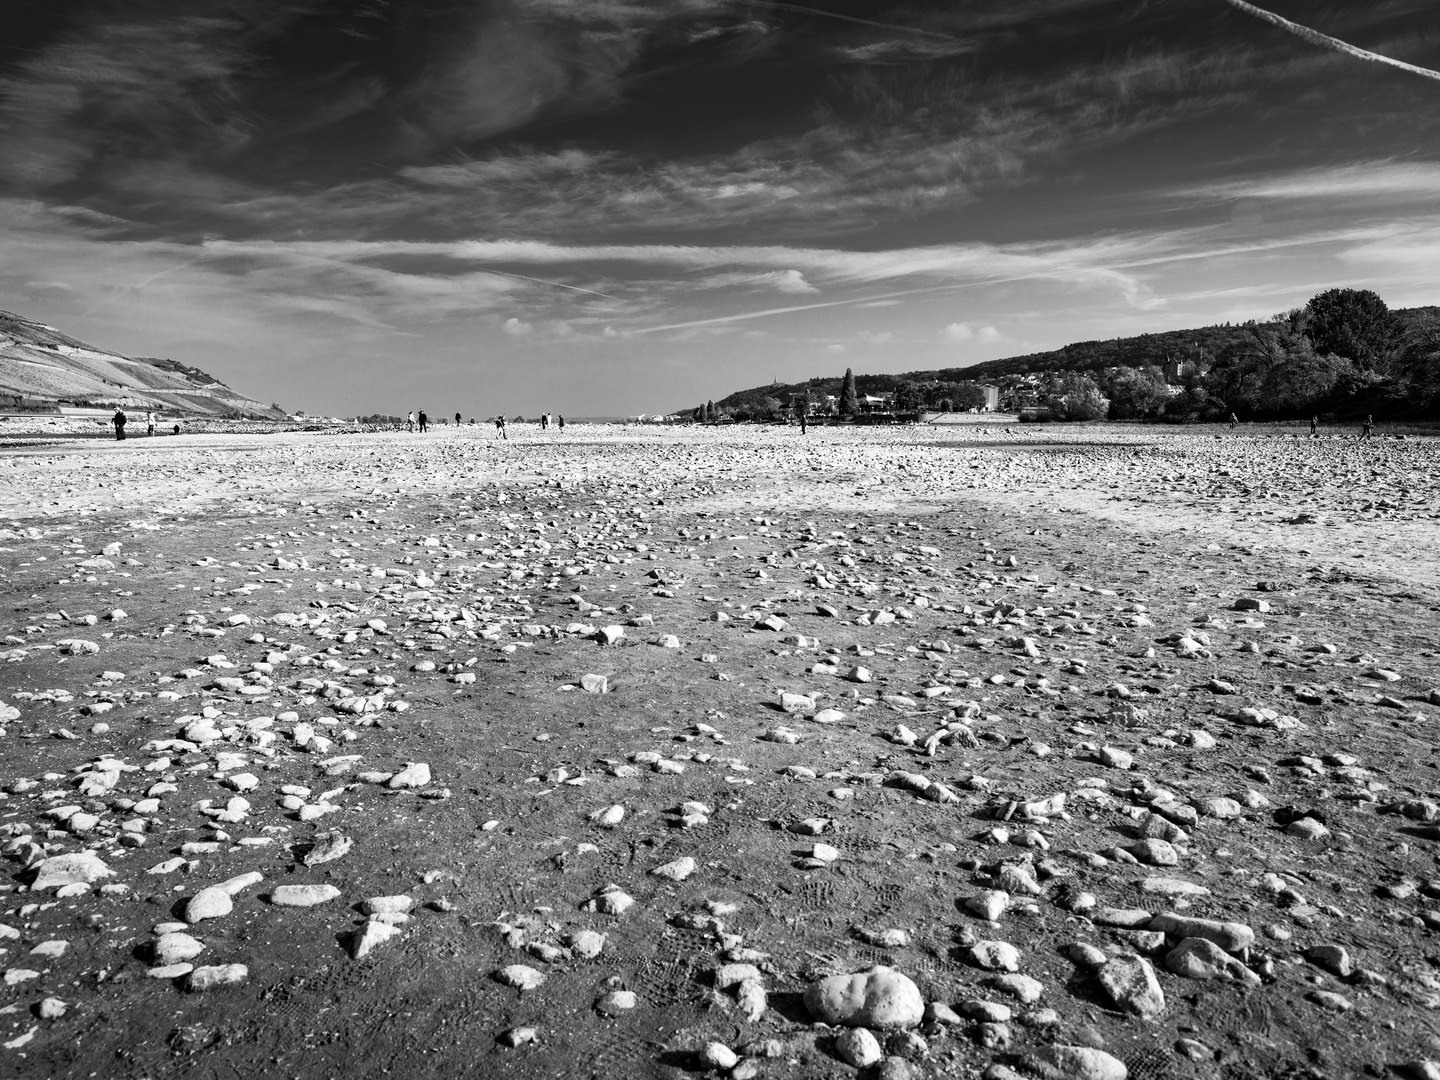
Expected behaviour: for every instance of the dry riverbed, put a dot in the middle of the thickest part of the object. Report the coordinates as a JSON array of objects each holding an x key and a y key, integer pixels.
[{"x": 1074, "y": 753}]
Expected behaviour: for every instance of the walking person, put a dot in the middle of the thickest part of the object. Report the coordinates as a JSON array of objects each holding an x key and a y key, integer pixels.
[
  {"x": 457, "y": 419},
  {"x": 119, "y": 420},
  {"x": 1367, "y": 426},
  {"x": 410, "y": 421},
  {"x": 1314, "y": 423},
  {"x": 424, "y": 422},
  {"x": 149, "y": 423},
  {"x": 500, "y": 428},
  {"x": 802, "y": 421},
  {"x": 1234, "y": 420},
  {"x": 562, "y": 425}
]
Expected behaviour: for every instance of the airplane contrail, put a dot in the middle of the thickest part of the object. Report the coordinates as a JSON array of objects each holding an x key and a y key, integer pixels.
[
  {"x": 744, "y": 315},
  {"x": 1325, "y": 41},
  {"x": 780, "y": 6},
  {"x": 545, "y": 281}
]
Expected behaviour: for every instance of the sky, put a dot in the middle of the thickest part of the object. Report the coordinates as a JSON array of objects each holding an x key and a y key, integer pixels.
[{"x": 614, "y": 207}]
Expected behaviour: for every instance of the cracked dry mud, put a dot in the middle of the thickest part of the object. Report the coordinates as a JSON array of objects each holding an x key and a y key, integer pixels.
[{"x": 1088, "y": 753}]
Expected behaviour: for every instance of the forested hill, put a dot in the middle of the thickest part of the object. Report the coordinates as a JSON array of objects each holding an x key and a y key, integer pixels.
[{"x": 1172, "y": 345}]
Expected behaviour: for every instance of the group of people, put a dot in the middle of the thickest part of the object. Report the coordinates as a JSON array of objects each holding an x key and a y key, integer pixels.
[
  {"x": 501, "y": 433},
  {"x": 120, "y": 420},
  {"x": 1367, "y": 429},
  {"x": 418, "y": 420},
  {"x": 422, "y": 422}
]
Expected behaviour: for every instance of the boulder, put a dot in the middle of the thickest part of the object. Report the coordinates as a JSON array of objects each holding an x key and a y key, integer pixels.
[{"x": 881, "y": 998}]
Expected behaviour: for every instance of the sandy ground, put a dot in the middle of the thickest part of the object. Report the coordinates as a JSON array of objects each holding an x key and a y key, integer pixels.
[{"x": 1047, "y": 687}]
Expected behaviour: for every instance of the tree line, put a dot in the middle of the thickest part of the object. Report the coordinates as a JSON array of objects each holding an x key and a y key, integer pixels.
[{"x": 1345, "y": 353}]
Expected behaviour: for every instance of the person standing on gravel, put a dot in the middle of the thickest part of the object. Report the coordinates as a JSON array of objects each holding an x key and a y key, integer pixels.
[
  {"x": 562, "y": 425},
  {"x": 119, "y": 420},
  {"x": 149, "y": 423},
  {"x": 1234, "y": 420},
  {"x": 424, "y": 422},
  {"x": 1314, "y": 423},
  {"x": 500, "y": 428},
  {"x": 457, "y": 419},
  {"x": 409, "y": 421},
  {"x": 1365, "y": 428}
]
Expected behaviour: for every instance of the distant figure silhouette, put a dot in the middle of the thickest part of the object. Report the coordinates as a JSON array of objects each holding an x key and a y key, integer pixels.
[
  {"x": 149, "y": 423},
  {"x": 562, "y": 425},
  {"x": 1365, "y": 428},
  {"x": 1233, "y": 421},
  {"x": 410, "y": 421},
  {"x": 119, "y": 420},
  {"x": 177, "y": 429},
  {"x": 424, "y": 422},
  {"x": 802, "y": 421},
  {"x": 500, "y": 428},
  {"x": 457, "y": 419},
  {"x": 1314, "y": 423}
]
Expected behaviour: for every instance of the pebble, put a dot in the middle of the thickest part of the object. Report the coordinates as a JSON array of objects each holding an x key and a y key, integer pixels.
[
  {"x": 217, "y": 977},
  {"x": 718, "y": 1056},
  {"x": 995, "y": 956},
  {"x": 519, "y": 976},
  {"x": 1333, "y": 958},
  {"x": 1199, "y": 958},
  {"x": 210, "y": 903},
  {"x": 175, "y": 948},
  {"x": 51, "y": 1008},
  {"x": 369, "y": 936},
  {"x": 858, "y": 1047},
  {"x": 1131, "y": 983},
  {"x": 586, "y": 944},
  {"x": 616, "y": 1002},
  {"x": 677, "y": 870},
  {"x": 415, "y": 774},
  {"x": 77, "y": 868},
  {"x": 303, "y": 895}
]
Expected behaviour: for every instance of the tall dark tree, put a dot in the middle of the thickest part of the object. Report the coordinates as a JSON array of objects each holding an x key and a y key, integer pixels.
[
  {"x": 1354, "y": 324},
  {"x": 849, "y": 405}
]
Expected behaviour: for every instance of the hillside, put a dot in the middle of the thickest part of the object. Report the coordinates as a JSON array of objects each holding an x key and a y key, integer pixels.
[
  {"x": 41, "y": 367},
  {"x": 1146, "y": 349}
]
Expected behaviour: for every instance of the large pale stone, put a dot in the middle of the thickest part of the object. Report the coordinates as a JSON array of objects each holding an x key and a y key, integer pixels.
[
  {"x": 218, "y": 977},
  {"x": 76, "y": 868},
  {"x": 302, "y": 895},
  {"x": 1131, "y": 984},
  {"x": 1198, "y": 958},
  {"x": 211, "y": 903},
  {"x": 175, "y": 948},
  {"x": 1062, "y": 1062},
  {"x": 1230, "y": 936},
  {"x": 881, "y": 998}
]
